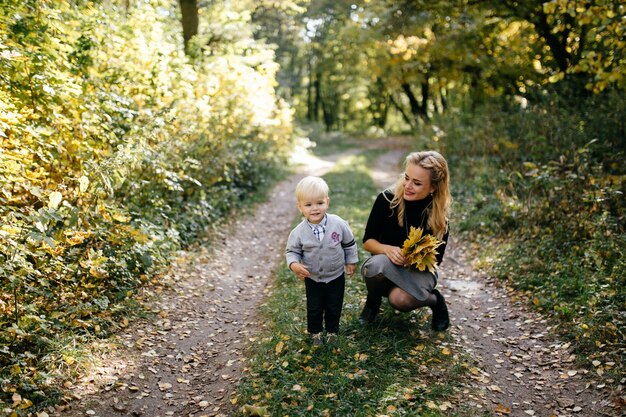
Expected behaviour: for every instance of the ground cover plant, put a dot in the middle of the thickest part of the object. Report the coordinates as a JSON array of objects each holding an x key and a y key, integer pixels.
[
  {"x": 396, "y": 366},
  {"x": 540, "y": 193}
]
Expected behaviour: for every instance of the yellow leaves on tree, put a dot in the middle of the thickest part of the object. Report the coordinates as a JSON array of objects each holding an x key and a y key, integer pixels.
[{"x": 420, "y": 250}]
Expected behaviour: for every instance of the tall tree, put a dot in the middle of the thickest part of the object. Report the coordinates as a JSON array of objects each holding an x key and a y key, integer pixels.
[{"x": 190, "y": 20}]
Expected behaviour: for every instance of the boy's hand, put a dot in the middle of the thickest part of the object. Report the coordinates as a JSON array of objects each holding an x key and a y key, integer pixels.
[
  {"x": 300, "y": 270},
  {"x": 350, "y": 268}
]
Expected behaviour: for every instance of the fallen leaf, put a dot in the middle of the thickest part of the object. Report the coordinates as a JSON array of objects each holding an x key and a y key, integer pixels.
[
  {"x": 163, "y": 386},
  {"x": 446, "y": 405},
  {"x": 253, "y": 410}
]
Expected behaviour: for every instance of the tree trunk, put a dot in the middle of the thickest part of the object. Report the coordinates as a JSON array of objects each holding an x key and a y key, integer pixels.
[
  {"x": 407, "y": 119},
  {"x": 425, "y": 98},
  {"x": 379, "y": 104},
  {"x": 557, "y": 46},
  {"x": 416, "y": 107},
  {"x": 317, "y": 99},
  {"x": 189, "y": 10},
  {"x": 328, "y": 116}
]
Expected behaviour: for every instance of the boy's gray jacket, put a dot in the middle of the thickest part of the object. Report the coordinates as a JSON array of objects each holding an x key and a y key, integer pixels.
[{"x": 326, "y": 259}]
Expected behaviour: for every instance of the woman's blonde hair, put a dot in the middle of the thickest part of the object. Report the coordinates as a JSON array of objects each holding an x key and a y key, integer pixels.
[{"x": 439, "y": 209}]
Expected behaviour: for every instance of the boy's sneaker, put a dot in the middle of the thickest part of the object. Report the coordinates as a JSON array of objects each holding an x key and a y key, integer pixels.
[
  {"x": 331, "y": 338},
  {"x": 316, "y": 339}
]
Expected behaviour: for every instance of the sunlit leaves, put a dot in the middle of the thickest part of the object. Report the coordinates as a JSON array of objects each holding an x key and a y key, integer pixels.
[
  {"x": 593, "y": 32},
  {"x": 55, "y": 199},
  {"x": 115, "y": 151}
]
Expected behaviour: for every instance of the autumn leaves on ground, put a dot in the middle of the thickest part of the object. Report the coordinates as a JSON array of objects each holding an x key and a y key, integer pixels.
[
  {"x": 208, "y": 352},
  {"x": 128, "y": 140}
]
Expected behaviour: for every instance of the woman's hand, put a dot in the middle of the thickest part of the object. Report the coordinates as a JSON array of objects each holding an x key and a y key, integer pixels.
[{"x": 394, "y": 254}]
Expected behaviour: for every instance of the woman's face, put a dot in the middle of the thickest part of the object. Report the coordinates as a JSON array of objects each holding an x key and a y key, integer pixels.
[{"x": 417, "y": 184}]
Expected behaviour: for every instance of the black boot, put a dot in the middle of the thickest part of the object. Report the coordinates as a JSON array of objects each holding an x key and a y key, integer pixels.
[
  {"x": 377, "y": 287},
  {"x": 370, "y": 310},
  {"x": 441, "y": 320}
]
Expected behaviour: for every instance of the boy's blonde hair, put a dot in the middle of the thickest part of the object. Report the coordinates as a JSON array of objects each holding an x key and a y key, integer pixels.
[{"x": 311, "y": 187}]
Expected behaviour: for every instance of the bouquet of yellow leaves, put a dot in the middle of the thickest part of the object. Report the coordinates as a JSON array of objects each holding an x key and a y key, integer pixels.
[{"x": 420, "y": 250}]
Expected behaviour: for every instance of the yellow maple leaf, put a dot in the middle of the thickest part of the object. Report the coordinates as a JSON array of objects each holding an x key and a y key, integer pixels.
[{"x": 420, "y": 250}]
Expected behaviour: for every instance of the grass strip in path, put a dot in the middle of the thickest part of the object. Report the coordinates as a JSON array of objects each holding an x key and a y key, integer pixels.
[{"x": 396, "y": 366}]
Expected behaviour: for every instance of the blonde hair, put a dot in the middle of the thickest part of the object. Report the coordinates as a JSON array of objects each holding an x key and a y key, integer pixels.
[
  {"x": 439, "y": 209},
  {"x": 311, "y": 187}
]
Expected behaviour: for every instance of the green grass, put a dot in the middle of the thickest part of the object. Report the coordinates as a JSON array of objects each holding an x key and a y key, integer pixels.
[{"x": 396, "y": 366}]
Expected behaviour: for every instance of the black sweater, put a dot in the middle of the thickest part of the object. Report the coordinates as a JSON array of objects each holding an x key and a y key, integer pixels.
[{"x": 383, "y": 226}]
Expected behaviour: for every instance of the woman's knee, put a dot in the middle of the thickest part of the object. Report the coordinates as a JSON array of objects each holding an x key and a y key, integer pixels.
[{"x": 402, "y": 301}]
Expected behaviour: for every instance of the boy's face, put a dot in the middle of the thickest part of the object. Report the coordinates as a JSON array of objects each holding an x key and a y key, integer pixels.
[{"x": 314, "y": 209}]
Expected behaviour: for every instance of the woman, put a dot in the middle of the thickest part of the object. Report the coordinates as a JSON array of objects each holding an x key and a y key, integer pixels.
[{"x": 420, "y": 198}]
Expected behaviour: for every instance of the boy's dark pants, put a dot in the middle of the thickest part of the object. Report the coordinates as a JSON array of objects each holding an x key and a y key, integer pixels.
[{"x": 324, "y": 302}]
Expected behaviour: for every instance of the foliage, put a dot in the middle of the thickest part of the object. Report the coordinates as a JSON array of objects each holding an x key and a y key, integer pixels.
[
  {"x": 420, "y": 250},
  {"x": 584, "y": 37},
  {"x": 115, "y": 152},
  {"x": 540, "y": 190},
  {"x": 393, "y": 65},
  {"x": 396, "y": 367}
]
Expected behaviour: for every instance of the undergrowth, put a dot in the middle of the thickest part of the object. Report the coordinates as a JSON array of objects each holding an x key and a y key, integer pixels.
[{"x": 540, "y": 193}]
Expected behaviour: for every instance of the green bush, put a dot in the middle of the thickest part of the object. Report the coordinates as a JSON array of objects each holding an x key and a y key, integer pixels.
[
  {"x": 116, "y": 150},
  {"x": 542, "y": 191}
]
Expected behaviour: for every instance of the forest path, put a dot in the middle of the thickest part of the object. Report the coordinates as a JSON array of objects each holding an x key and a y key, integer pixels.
[{"x": 189, "y": 360}]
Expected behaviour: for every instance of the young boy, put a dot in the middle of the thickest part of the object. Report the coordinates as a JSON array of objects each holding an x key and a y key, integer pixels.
[{"x": 317, "y": 250}]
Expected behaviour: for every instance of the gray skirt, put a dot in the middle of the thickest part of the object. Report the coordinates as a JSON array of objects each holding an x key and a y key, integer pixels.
[{"x": 417, "y": 283}]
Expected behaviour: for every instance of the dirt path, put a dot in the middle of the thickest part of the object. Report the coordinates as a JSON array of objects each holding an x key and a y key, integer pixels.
[
  {"x": 522, "y": 368},
  {"x": 187, "y": 362}
]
